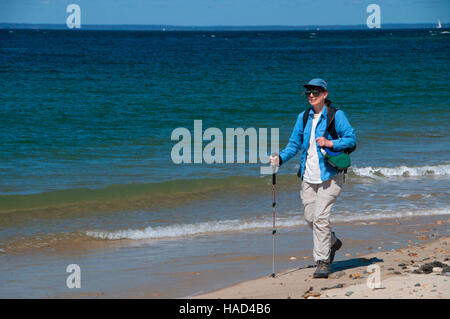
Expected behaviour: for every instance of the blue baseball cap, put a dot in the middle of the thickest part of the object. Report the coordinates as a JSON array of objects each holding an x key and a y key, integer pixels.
[{"x": 317, "y": 82}]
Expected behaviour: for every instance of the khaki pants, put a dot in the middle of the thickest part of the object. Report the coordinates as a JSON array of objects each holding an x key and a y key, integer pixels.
[{"x": 317, "y": 201}]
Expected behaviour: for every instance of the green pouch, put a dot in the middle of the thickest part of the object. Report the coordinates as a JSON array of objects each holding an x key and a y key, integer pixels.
[{"x": 340, "y": 162}]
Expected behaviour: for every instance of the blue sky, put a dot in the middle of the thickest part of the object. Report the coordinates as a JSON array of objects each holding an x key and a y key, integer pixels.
[{"x": 225, "y": 12}]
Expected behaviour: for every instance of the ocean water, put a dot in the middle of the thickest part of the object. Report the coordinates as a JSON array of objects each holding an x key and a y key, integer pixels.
[{"x": 86, "y": 119}]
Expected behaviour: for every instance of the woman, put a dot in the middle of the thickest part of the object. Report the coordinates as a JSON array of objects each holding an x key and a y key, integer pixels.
[{"x": 321, "y": 183}]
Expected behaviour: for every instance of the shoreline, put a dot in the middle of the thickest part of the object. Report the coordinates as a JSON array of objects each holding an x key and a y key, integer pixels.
[
  {"x": 201, "y": 265},
  {"x": 403, "y": 274}
]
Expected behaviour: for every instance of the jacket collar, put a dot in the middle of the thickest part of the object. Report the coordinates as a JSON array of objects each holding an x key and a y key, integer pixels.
[{"x": 323, "y": 114}]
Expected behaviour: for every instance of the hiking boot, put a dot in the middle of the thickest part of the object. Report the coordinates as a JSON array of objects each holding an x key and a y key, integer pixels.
[
  {"x": 323, "y": 269},
  {"x": 336, "y": 246}
]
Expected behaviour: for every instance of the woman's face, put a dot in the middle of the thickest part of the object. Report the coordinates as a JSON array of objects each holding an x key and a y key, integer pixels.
[{"x": 318, "y": 100}]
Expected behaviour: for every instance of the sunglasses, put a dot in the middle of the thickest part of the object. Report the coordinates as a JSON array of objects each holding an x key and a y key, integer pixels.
[{"x": 315, "y": 92}]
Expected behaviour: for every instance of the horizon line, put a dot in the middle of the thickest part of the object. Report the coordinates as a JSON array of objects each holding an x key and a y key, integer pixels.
[{"x": 278, "y": 26}]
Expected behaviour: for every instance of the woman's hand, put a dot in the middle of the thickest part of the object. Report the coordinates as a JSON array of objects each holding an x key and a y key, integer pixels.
[
  {"x": 323, "y": 142},
  {"x": 274, "y": 160}
]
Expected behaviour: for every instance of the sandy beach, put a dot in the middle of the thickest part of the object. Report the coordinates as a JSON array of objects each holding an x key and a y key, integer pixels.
[{"x": 411, "y": 272}]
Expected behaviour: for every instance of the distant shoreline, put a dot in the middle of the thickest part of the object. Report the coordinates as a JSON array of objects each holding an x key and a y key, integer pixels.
[{"x": 129, "y": 27}]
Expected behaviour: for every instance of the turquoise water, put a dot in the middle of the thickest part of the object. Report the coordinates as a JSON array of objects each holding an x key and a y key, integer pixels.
[{"x": 86, "y": 119}]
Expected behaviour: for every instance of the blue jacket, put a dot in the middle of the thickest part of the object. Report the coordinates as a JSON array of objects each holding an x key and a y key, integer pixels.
[{"x": 300, "y": 140}]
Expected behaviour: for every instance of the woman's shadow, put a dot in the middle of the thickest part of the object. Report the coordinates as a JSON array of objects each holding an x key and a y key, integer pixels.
[{"x": 341, "y": 265}]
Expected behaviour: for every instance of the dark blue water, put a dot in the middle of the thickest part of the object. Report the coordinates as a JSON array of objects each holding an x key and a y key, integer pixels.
[{"x": 95, "y": 108}]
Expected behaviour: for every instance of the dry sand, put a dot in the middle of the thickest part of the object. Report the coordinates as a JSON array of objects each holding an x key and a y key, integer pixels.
[{"x": 398, "y": 279}]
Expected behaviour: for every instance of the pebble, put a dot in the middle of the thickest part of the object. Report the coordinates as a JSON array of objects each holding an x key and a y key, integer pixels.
[
  {"x": 349, "y": 293},
  {"x": 427, "y": 268},
  {"x": 417, "y": 285},
  {"x": 335, "y": 286},
  {"x": 437, "y": 269},
  {"x": 378, "y": 287},
  {"x": 311, "y": 295}
]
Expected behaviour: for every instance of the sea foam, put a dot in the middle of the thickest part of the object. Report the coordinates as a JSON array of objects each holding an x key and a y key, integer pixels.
[
  {"x": 236, "y": 225},
  {"x": 369, "y": 171}
]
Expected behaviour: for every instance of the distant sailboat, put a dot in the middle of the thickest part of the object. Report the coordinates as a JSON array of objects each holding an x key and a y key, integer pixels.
[{"x": 439, "y": 24}]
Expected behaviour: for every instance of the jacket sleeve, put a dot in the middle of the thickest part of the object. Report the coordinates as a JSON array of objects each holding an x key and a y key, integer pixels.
[
  {"x": 295, "y": 142},
  {"x": 344, "y": 130}
]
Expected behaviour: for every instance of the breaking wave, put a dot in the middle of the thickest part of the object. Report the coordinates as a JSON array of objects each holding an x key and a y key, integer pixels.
[
  {"x": 236, "y": 225},
  {"x": 405, "y": 171}
]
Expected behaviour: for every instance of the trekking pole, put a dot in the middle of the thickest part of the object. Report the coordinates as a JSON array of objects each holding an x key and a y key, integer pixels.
[{"x": 274, "y": 203}]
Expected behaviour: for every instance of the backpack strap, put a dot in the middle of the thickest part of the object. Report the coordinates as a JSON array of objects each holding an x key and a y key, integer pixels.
[
  {"x": 331, "y": 128},
  {"x": 305, "y": 120},
  {"x": 305, "y": 117}
]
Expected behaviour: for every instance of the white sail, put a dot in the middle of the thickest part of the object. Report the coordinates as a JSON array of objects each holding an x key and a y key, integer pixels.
[{"x": 439, "y": 24}]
